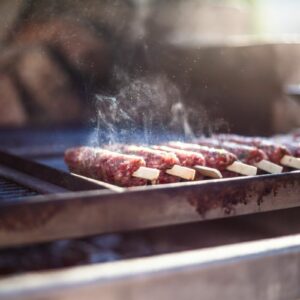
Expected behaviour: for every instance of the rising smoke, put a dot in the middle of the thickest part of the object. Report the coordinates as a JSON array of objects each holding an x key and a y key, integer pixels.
[{"x": 145, "y": 110}]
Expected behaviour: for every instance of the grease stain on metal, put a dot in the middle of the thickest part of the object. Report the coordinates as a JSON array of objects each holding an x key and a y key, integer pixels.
[{"x": 229, "y": 195}]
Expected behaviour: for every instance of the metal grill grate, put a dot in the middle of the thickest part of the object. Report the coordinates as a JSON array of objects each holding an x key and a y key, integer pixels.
[{"x": 10, "y": 189}]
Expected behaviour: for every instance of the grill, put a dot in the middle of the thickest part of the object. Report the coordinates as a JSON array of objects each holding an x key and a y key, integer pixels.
[
  {"x": 100, "y": 210},
  {"x": 12, "y": 190},
  {"x": 39, "y": 202}
]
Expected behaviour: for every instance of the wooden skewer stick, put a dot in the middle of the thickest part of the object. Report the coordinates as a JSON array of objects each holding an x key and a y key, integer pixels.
[
  {"x": 101, "y": 183},
  {"x": 243, "y": 169},
  {"x": 146, "y": 173},
  {"x": 269, "y": 167},
  {"x": 182, "y": 172},
  {"x": 209, "y": 172},
  {"x": 290, "y": 161}
]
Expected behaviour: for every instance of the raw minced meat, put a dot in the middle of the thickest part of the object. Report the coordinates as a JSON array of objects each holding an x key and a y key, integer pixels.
[
  {"x": 186, "y": 158},
  {"x": 160, "y": 160},
  {"x": 274, "y": 151},
  {"x": 214, "y": 157},
  {"x": 245, "y": 153},
  {"x": 108, "y": 166}
]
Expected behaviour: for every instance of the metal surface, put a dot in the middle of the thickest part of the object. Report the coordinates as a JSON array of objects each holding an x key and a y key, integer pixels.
[
  {"x": 263, "y": 270},
  {"x": 92, "y": 211},
  {"x": 268, "y": 269},
  {"x": 50, "y": 217},
  {"x": 27, "y": 182},
  {"x": 9, "y": 189},
  {"x": 21, "y": 168}
]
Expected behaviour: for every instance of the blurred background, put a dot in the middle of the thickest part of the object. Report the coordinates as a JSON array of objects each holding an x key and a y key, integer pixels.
[{"x": 229, "y": 61}]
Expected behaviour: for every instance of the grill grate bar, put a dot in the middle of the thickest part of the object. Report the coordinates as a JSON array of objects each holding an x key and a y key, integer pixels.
[{"x": 10, "y": 189}]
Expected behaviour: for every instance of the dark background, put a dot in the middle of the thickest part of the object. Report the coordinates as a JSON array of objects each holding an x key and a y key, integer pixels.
[{"x": 56, "y": 56}]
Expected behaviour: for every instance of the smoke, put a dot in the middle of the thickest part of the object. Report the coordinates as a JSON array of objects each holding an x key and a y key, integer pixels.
[{"x": 145, "y": 110}]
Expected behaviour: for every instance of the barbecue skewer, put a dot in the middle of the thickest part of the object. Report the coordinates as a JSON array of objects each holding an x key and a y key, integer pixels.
[
  {"x": 167, "y": 162},
  {"x": 249, "y": 155},
  {"x": 293, "y": 146},
  {"x": 182, "y": 172},
  {"x": 290, "y": 161},
  {"x": 111, "y": 167},
  {"x": 209, "y": 172},
  {"x": 218, "y": 158},
  {"x": 106, "y": 185},
  {"x": 243, "y": 169},
  {"x": 269, "y": 167},
  {"x": 146, "y": 173},
  {"x": 276, "y": 152},
  {"x": 191, "y": 160}
]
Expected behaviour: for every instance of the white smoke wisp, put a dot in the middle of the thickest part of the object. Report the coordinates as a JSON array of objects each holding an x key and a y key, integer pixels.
[
  {"x": 180, "y": 118},
  {"x": 108, "y": 115},
  {"x": 145, "y": 110}
]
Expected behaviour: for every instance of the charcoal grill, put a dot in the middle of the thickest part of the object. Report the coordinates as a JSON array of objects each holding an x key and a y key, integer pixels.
[
  {"x": 98, "y": 210},
  {"x": 40, "y": 201},
  {"x": 10, "y": 189}
]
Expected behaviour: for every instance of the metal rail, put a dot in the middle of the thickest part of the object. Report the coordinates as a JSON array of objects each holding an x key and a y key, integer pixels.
[
  {"x": 261, "y": 270},
  {"x": 67, "y": 215}
]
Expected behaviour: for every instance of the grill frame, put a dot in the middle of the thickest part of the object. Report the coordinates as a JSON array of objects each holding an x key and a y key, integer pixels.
[
  {"x": 50, "y": 217},
  {"x": 270, "y": 271},
  {"x": 29, "y": 181},
  {"x": 10, "y": 189},
  {"x": 97, "y": 210}
]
